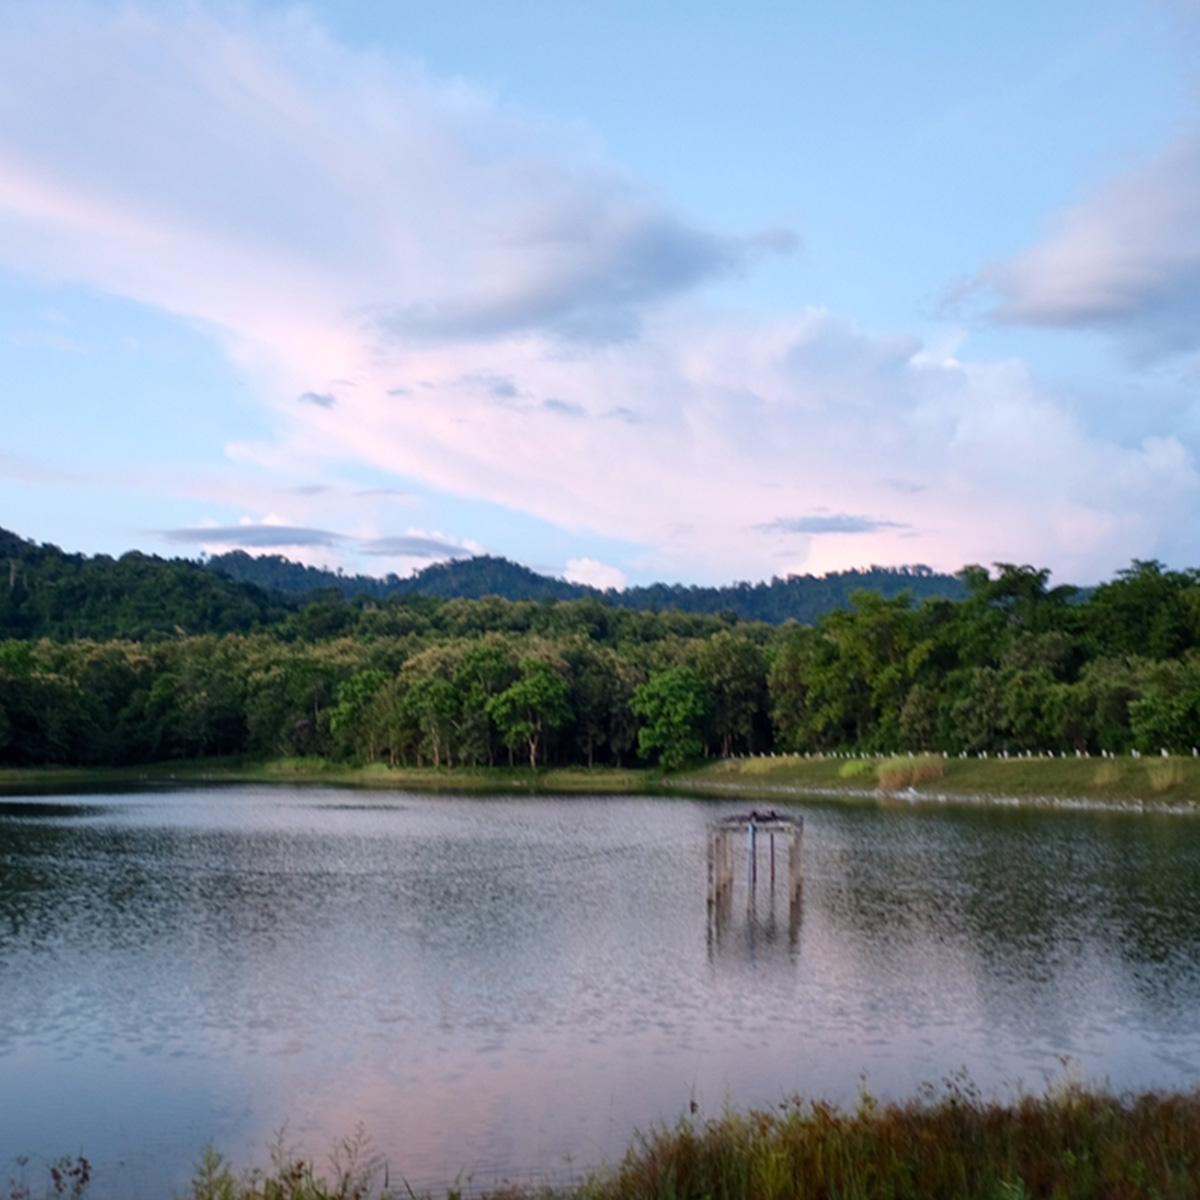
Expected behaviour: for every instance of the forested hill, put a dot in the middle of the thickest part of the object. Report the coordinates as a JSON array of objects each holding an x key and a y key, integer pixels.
[
  {"x": 466, "y": 579},
  {"x": 803, "y": 598},
  {"x": 45, "y": 592}
]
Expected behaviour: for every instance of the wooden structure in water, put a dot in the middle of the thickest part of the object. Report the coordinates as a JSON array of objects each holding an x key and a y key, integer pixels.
[{"x": 768, "y": 843}]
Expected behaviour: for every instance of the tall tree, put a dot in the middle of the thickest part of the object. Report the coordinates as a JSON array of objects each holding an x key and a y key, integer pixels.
[
  {"x": 674, "y": 706},
  {"x": 533, "y": 705}
]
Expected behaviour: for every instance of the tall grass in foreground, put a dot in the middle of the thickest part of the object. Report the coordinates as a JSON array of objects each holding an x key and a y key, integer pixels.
[{"x": 1072, "y": 1143}]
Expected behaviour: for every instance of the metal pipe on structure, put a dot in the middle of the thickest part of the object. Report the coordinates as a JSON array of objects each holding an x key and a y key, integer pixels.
[{"x": 753, "y": 852}]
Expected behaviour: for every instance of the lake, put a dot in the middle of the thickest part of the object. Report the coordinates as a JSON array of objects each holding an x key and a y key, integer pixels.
[{"x": 506, "y": 988}]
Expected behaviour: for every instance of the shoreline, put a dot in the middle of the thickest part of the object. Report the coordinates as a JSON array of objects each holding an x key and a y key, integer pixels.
[
  {"x": 1132, "y": 785},
  {"x": 1135, "y": 785},
  {"x": 306, "y": 772}
]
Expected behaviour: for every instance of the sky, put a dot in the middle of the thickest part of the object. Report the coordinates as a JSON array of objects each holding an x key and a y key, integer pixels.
[{"x": 626, "y": 292}]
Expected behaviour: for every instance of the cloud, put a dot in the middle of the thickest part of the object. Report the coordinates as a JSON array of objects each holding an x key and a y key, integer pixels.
[
  {"x": 595, "y": 574},
  {"x": 829, "y": 523},
  {"x": 326, "y": 214},
  {"x": 584, "y": 272},
  {"x": 17, "y": 467},
  {"x": 249, "y": 137},
  {"x": 413, "y": 546},
  {"x": 258, "y": 537},
  {"x": 564, "y": 408},
  {"x": 623, "y": 413},
  {"x": 320, "y": 399},
  {"x": 1125, "y": 261}
]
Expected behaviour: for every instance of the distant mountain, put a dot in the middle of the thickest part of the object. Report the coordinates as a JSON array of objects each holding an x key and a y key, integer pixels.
[
  {"x": 802, "y": 598},
  {"x": 45, "y": 592},
  {"x": 467, "y": 579}
]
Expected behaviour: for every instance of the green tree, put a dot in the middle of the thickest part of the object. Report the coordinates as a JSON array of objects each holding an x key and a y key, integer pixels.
[
  {"x": 674, "y": 706},
  {"x": 487, "y": 668},
  {"x": 789, "y": 684},
  {"x": 601, "y": 688},
  {"x": 735, "y": 670},
  {"x": 352, "y": 721},
  {"x": 533, "y": 705},
  {"x": 431, "y": 704},
  {"x": 1147, "y": 610}
]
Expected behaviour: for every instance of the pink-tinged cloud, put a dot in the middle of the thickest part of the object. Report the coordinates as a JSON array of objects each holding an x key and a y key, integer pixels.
[{"x": 417, "y": 279}]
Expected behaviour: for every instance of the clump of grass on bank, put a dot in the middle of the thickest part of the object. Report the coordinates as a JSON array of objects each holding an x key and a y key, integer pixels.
[
  {"x": 1072, "y": 1144},
  {"x": 897, "y": 773},
  {"x": 1165, "y": 774},
  {"x": 857, "y": 768}
]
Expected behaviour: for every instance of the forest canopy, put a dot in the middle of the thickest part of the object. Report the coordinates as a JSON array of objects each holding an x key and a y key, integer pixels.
[{"x": 1015, "y": 665}]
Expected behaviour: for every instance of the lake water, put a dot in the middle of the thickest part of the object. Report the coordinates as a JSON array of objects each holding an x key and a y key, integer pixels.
[{"x": 506, "y": 988}]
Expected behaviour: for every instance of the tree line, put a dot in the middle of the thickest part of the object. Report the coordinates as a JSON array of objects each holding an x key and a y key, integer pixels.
[{"x": 1016, "y": 665}]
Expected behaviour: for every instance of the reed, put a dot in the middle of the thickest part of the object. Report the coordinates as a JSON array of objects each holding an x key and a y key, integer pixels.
[
  {"x": 1073, "y": 1143},
  {"x": 896, "y": 773},
  {"x": 1164, "y": 773}
]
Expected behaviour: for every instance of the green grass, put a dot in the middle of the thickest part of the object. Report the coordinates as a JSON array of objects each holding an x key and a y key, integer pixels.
[
  {"x": 1153, "y": 781},
  {"x": 1073, "y": 1143},
  {"x": 604, "y": 780}
]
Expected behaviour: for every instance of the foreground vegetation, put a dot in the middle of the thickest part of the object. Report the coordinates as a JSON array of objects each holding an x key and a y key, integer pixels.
[{"x": 1071, "y": 1144}]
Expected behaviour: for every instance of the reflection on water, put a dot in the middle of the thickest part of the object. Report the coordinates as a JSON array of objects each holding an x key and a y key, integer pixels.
[{"x": 497, "y": 987}]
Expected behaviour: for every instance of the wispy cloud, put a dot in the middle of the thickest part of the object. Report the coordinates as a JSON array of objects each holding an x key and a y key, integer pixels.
[
  {"x": 276, "y": 535},
  {"x": 1126, "y": 261},
  {"x": 258, "y": 537},
  {"x": 413, "y": 546},
  {"x": 564, "y": 408},
  {"x": 829, "y": 523}
]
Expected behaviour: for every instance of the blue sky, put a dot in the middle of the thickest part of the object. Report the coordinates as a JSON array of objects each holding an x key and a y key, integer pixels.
[{"x": 623, "y": 291}]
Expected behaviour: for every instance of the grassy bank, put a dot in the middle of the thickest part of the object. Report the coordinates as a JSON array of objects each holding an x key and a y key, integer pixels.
[
  {"x": 517, "y": 780},
  {"x": 1120, "y": 782},
  {"x": 1071, "y": 1144}
]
